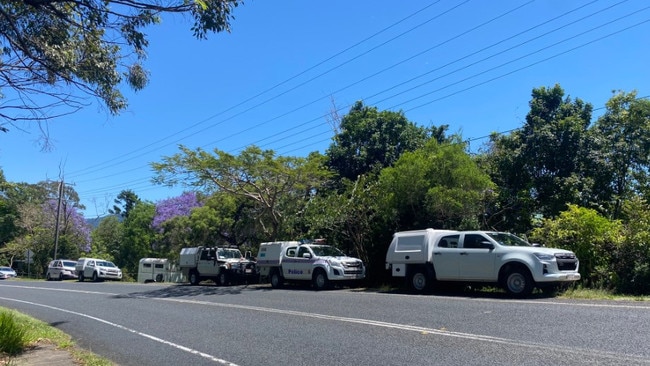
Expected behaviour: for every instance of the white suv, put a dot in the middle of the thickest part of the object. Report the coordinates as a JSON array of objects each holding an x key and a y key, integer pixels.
[{"x": 97, "y": 270}]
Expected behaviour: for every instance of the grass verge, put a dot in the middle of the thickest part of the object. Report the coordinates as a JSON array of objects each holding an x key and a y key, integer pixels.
[{"x": 32, "y": 331}]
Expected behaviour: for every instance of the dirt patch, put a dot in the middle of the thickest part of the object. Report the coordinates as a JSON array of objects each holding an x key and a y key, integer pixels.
[{"x": 41, "y": 354}]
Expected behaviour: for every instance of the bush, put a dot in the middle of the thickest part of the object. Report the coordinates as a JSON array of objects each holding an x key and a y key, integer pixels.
[{"x": 12, "y": 336}]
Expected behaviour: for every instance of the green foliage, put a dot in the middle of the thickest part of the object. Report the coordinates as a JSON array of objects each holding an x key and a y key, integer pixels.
[
  {"x": 592, "y": 237},
  {"x": 631, "y": 261},
  {"x": 55, "y": 51},
  {"x": 107, "y": 238},
  {"x": 371, "y": 140},
  {"x": 437, "y": 186},
  {"x": 543, "y": 166},
  {"x": 12, "y": 335},
  {"x": 124, "y": 203},
  {"x": 138, "y": 238},
  {"x": 276, "y": 186},
  {"x": 621, "y": 137}
]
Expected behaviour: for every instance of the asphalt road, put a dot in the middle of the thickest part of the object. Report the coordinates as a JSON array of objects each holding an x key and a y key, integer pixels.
[{"x": 135, "y": 324}]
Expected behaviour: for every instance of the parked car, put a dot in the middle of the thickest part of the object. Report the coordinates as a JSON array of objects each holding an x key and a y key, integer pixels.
[
  {"x": 97, "y": 270},
  {"x": 7, "y": 272},
  {"x": 61, "y": 269}
]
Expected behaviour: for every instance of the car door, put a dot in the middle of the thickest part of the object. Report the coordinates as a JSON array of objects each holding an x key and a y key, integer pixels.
[
  {"x": 477, "y": 258},
  {"x": 89, "y": 269},
  {"x": 446, "y": 257},
  {"x": 301, "y": 266}
]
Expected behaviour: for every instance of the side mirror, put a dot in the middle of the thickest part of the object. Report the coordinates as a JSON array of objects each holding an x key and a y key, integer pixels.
[
  {"x": 306, "y": 255},
  {"x": 487, "y": 245}
]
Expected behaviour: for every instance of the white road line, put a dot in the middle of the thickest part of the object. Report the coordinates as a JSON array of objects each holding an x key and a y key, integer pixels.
[
  {"x": 421, "y": 330},
  {"x": 153, "y": 338}
]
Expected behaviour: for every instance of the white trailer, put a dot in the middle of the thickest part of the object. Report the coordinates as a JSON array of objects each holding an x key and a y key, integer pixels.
[{"x": 158, "y": 270}]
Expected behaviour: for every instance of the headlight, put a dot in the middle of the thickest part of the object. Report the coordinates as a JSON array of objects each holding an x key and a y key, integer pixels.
[
  {"x": 544, "y": 256},
  {"x": 334, "y": 263}
]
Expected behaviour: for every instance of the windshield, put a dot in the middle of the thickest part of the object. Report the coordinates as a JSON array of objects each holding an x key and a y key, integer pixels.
[
  {"x": 105, "y": 264},
  {"x": 230, "y": 253},
  {"x": 326, "y": 251},
  {"x": 69, "y": 264},
  {"x": 6, "y": 269},
  {"x": 509, "y": 240}
]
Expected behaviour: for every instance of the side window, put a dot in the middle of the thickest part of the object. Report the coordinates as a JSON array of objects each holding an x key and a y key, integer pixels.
[
  {"x": 449, "y": 241},
  {"x": 473, "y": 241},
  {"x": 291, "y": 252},
  {"x": 205, "y": 254},
  {"x": 302, "y": 250},
  {"x": 91, "y": 264}
]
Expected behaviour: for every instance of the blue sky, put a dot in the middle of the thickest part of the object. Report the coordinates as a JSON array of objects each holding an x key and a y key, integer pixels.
[{"x": 273, "y": 81}]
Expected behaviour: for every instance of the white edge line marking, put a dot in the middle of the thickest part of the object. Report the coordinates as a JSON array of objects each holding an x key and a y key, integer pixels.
[
  {"x": 421, "y": 330},
  {"x": 153, "y": 338}
]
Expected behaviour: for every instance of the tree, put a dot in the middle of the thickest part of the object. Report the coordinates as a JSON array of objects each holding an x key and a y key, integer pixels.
[
  {"x": 622, "y": 141},
  {"x": 127, "y": 199},
  {"x": 139, "y": 237},
  {"x": 543, "y": 166},
  {"x": 436, "y": 186},
  {"x": 371, "y": 140},
  {"x": 107, "y": 238},
  {"x": 276, "y": 187},
  {"x": 56, "y": 51},
  {"x": 173, "y": 207}
]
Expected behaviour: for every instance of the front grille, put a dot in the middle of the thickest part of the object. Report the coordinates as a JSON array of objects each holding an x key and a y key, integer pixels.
[{"x": 566, "y": 261}]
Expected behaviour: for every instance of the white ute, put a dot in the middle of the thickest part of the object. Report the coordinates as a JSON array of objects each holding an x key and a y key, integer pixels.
[
  {"x": 425, "y": 256},
  {"x": 295, "y": 261}
]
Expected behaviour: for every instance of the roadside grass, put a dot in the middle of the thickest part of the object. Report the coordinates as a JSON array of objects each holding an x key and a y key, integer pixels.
[
  {"x": 20, "y": 332},
  {"x": 580, "y": 293}
]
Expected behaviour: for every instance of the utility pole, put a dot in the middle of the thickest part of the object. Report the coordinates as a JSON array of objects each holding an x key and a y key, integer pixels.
[{"x": 58, "y": 214}]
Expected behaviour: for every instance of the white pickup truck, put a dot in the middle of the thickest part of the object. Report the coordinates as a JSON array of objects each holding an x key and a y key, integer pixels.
[
  {"x": 294, "y": 261},
  {"x": 425, "y": 256}
]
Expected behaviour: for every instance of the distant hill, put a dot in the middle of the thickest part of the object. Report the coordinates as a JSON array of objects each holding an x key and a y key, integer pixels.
[{"x": 94, "y": 222}]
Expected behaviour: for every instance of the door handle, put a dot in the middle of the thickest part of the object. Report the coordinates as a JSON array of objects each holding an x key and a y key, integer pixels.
[
  {"x": 437, "y": 253},
  {"x": 464, "y": 253}
]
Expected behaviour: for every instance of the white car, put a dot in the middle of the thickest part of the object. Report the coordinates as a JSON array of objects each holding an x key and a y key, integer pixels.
[
  {"x": 97, "y": 270},
  {"x": 7, "y": 272},
  {"x": 61, "y": 269}
]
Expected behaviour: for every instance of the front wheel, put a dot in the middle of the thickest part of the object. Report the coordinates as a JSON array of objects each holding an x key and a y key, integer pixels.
[
  {"x": 519, "y": 283},
  {"x": 81, "y": 277},
  {"x": 222, "y": 279},
  {"x": 320, "y": 280},
  {"x": 95, "y": 277},
  {"x": 60, "y": 276}
]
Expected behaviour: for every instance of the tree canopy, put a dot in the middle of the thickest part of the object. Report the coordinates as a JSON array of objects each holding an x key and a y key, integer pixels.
[{"x": 55, "y": 53}]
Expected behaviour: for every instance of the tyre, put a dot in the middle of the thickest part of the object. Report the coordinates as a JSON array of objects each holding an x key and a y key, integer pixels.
[
  {"x": 276, "y": 279},
  {"x": 320, "y": 280},
  {"x": 60, "y": 276},
  {"x": 222, "y": 279},
  {"x": 518, "y": 282},
  {"x": 194, "y": 278},
  {"x": 421, "y": 280},
  {"x": 47, "y": 277},
  {"x": 95, "y": 277},
  {"x": 81, "y": 277}
]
